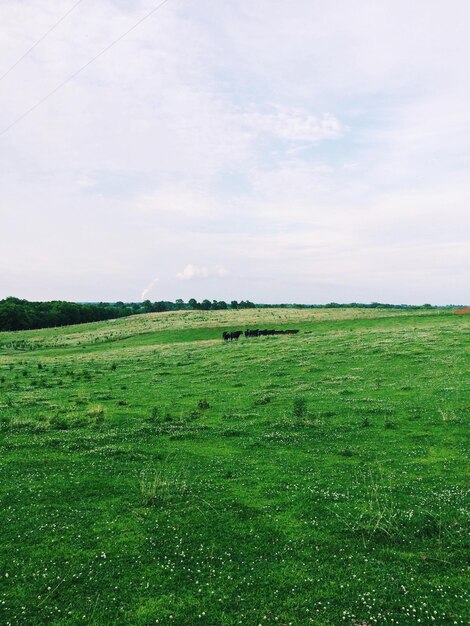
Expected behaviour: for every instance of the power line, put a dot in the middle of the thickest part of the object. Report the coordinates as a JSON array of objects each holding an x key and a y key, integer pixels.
[
  {"x": 39, "y": 40},
  {"x": 83, "y": 67}
]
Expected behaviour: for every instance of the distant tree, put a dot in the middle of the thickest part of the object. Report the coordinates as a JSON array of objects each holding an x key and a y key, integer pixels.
[
  {"x": 18, "y": 314},
  {"x": 206, "y": 305},
  {"x": 193, "y": 303},
  {"x": 234, "y": 304}
]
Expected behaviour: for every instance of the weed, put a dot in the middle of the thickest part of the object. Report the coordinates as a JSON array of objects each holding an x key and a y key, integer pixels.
[
  {"x": 380, "y": 517},
  {"x": 152, "y": 486},
  {"x": 97, "y": 413},
  {"x": 262, "y": 398},
  {"x": 449, "y": 416},
  {"x": 155, "y": 414},
  {"x": 157, "y": 484},
  {"x": 58, "y": 422},
  {"x": 299, "y": 408},
  {"x": 194, "y": 414}
]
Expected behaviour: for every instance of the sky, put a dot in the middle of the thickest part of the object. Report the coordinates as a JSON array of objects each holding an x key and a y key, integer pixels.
[{"x": 304, "y": 151}]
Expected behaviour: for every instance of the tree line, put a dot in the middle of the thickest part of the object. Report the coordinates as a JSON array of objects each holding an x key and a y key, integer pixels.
[
  {"x": 194, "y": 305},
  {"x": 16, "y": 314}
]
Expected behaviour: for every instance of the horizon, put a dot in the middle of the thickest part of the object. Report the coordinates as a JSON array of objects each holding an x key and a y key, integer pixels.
[
  {"x": 286, "y": 304},
  {"x": 273, "y": 152}
]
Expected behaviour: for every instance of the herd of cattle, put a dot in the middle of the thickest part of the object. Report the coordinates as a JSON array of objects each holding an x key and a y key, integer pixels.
[{"x": 231, "y": 336}]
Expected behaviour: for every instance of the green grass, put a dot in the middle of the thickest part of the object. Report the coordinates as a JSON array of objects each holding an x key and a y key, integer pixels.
[{"x": 151, "y": 473}]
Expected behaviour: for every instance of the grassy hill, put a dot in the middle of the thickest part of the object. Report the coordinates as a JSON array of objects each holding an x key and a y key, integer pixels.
[{"x": 153, "y": 474}]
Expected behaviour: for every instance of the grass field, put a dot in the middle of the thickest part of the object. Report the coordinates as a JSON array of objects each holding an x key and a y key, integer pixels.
[{"x": 153, "y": 474}]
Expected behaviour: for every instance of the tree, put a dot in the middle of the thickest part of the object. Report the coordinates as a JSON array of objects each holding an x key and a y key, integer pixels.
[{"x": 234, "y": 304}]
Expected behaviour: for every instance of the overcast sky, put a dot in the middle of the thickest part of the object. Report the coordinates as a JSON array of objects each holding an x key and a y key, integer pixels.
[{"x": 280, "y": 151}]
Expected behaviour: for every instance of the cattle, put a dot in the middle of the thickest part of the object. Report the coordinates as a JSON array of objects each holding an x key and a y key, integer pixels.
[
  {"x": 268, "y": 332},
  {"x": 234, "y": 335}
]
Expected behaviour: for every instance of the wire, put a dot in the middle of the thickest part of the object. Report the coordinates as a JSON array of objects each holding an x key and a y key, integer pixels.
[
  {"x": 83, "y": 67},
  {"x": 39, "y": 40}
]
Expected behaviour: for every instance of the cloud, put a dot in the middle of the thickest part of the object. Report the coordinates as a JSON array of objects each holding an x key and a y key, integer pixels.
[
  {"x": 192, "y": 271},
  {"x": 149, "y": 288},
  {"x": 295, "y": 125},
  {"x": 324, "y": 165}
]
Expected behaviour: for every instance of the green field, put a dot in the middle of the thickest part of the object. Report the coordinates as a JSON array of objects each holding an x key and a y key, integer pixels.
[{"x": 153, "y": 474}]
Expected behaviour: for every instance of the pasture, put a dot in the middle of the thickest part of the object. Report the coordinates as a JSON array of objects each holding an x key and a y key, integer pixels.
[{"x": 152, "y": 473}]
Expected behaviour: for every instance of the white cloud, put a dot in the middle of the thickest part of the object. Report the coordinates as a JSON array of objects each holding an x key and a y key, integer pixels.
[
  {"x": 192, "y": 271},
  {"x": 296, "y": 125},
  {"x": 295, "y": 140},
  {"x": 149, "y": 288}
]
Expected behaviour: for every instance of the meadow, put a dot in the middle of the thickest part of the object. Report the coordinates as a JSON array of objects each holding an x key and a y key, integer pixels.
[{"x": 153, "y": 474}]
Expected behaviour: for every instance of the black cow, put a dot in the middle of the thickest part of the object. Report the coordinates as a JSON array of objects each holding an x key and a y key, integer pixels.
[
  {"x": 234, "y": 335},
  {"x": 265, "y": 332}
]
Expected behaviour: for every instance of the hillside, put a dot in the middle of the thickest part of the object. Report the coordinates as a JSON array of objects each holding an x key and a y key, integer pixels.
[{"x": 153, "y": 473}]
